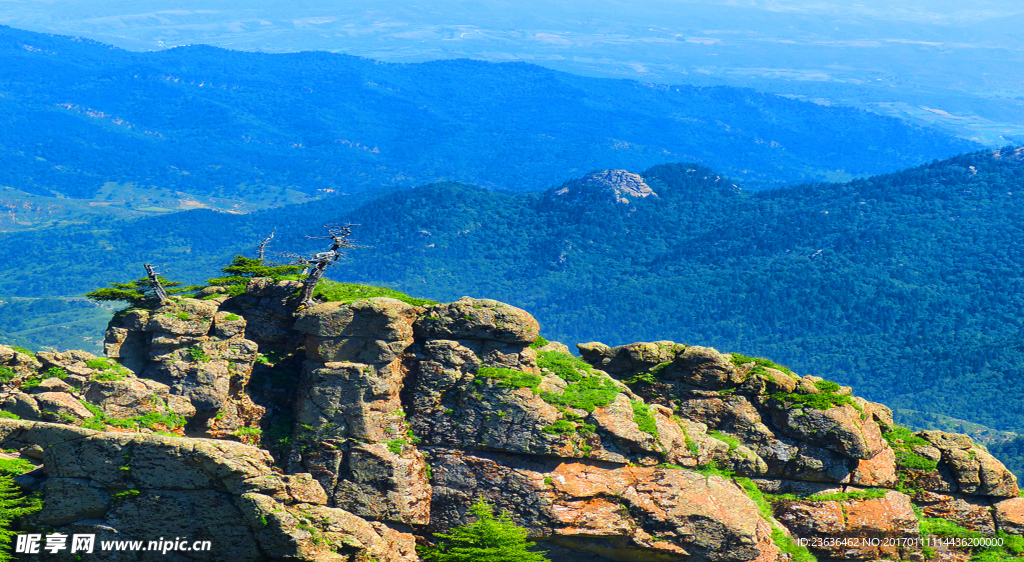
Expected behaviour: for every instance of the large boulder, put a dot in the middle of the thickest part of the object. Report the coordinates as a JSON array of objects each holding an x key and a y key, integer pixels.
[
  {"x": 378, "y": 318},
  {"x": 976, "y": 471},
  {"x": 841, "y": 428},
  {"x": 477, "y": 319}
]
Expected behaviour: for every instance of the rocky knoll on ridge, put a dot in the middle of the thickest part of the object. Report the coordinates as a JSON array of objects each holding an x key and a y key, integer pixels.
[{"x": 352, "y": 431}]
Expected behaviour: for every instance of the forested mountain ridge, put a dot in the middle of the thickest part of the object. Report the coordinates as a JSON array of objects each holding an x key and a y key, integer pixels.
[
  {"x": 203, "y": 126},
  {"x": 906, "y": 285}
]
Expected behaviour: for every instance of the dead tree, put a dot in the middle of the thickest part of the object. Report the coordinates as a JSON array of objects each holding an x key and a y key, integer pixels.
[
  {"x": 154, "y": 282},
  {"x": 318, "y": 263},
  {"x": 263, "y": 244}
]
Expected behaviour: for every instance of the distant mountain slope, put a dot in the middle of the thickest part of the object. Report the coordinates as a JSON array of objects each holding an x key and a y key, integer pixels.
[
  {"x": 907, "y": 285},
  {"x": 205, "y": 125}
]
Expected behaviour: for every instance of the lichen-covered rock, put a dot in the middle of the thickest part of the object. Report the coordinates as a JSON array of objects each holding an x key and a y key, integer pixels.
[
  {"x": 653, "y": 512},
  {"x": 183, "y": 317},
  {"x": 628, "y": 359},
  {"x": 477, "y": 319},
  {"x": 840, "y": 428},
  {"x": 976, "y": 471},
  {"x": 22, "y": 405},
  {"x": 128, "y": 397},
  {"x": 351, "y": 400},
  {"x": 378, "y": 318},
  {"x": 228, "y": 325},
  {"x": 60, "y": 407},
  {"x": 858, "y": 521},
  {"x": 317, "y": 533},
  {"x": 356, "y": 350},
  {"x": 71, "y": 499},
  {"x": 269, "y": 311},
  {"x": 1009, "y": 515},
  {"x": 877, "y": 472},
  {"x": 53, "y": 384},
  {"x": 287, "y": 488},
  {"x": 778, "y": 456},
  {"x": 381, "y": 484},
  {"x": 970, "y": 512},
  {"x": 703, "y": 367}
]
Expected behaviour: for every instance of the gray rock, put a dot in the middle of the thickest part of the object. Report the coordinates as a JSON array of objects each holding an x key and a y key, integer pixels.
[
  {"x": 382, "y": 485},
  {"x": 840, "y": 428},
  {"x": 351, "y": 400},
  {"x": 22, "y": 405},
  {"x": 354, "y": 349},
  {"x": 127, "y": 398},
  {"x": 71, "y": 499},
  {"x": 53, "y": 384},
  {"x": 61, "y": 407},
  {"x": 976, "y": 471},
  {"x": 376, "y": 318},
  {"x": 479, "y": 319}
]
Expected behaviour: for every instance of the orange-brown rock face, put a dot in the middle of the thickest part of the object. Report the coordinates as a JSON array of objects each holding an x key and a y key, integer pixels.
[
  {"x": 852, "y": 529},
  {"x": 669, "y": 514}
]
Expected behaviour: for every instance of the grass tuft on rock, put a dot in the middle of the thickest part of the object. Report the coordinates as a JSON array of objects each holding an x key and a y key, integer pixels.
[
  {"x": 509, "y": 378},
  {"x": 643, "y": 418}
]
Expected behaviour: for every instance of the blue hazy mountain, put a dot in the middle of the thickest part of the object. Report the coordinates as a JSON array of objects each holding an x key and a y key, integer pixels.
[
  {"x": 207, "y": 126},
  {"x": 952, "y": 64}
]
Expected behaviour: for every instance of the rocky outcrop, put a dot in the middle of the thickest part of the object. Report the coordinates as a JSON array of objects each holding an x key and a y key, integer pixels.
[
  {"x": 351, "y": 429},
  {"x": 388, "y": 420},
  {"x": 144, "y": 487},
  {"x": 619, "y": 186},
  {"x": 199, "y": 352},
  {"x": 648, "y": 513}
]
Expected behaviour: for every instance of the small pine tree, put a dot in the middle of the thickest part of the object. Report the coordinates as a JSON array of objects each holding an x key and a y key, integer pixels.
[
  {"x": 488, "y": 539},
  {"x": 138, "y": 293},
  {"x": 13, "y": 504},
  {"x": 242, "y": 269}
]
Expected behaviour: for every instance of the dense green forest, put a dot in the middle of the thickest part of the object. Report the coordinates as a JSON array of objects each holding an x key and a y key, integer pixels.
[
  {"x": 907, "y": 286},
  {"x": 76, "y": 115}
]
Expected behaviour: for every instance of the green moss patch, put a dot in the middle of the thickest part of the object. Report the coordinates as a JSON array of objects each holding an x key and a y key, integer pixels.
[
  {"x": 587, "y": 394},
  {"x": 796, "y": 552},
  {"x": 760, "y": 363},
  {"x": 153, "y": 420},
  {"x": 902, "y": 440},
  {"x": 821, "y": 401},
  {"x": 14, "y": 467},
  {"x": 332, "y": 291},
  {"x": 110, "y": 370},
  {"x": 586, "y": 390},
  {"x": 509, "y": 378},
  {"x": 712, "y": 468},
  {"x": 565, "y": 366},
  {"x": 729, "y": 440}
]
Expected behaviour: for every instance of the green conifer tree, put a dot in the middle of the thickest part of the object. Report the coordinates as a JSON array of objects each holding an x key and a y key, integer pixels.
[
  {"x": 488, "y": 539},
  {"x": 13, "y": 504}
]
